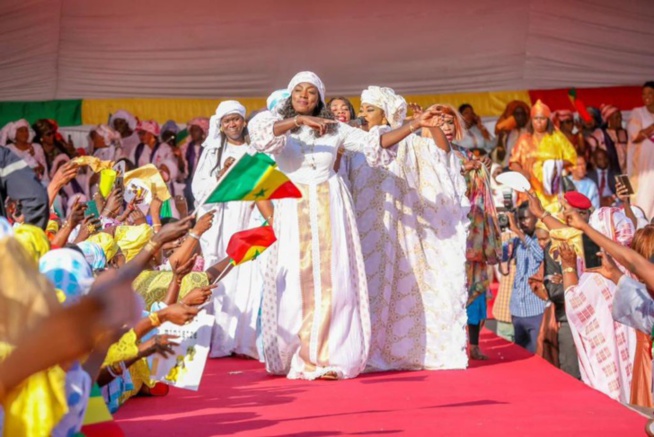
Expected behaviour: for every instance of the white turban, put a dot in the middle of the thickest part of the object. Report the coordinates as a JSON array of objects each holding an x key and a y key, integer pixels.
[
  {"x": 226, "y": 107},
  {"x": 277, "y": 98},
  {"x": 393, "y": 105},
  {"x": 110, "y": 136},
  {"x": 307, "y": 77},
  {"x": 9, "y": 131},
  {"x": 129, "y": 118}
]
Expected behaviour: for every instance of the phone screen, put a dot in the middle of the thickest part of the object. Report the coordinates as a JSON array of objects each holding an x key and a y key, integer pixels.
[
  {"x": 91, "y": 208},
  {"x": 590, "y": 253}
]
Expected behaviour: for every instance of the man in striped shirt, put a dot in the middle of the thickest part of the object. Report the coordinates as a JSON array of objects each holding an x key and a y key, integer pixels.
[{"x": 526, "y": 308}]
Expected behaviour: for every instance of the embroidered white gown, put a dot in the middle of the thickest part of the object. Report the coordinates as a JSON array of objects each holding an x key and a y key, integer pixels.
[
  {"x": 413, "y": 238},
  {"x": 237, "y": 299},
  {"x": 315, "y": 305}
]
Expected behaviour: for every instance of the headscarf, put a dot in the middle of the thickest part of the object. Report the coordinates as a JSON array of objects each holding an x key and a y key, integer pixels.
[
  {"x": 33, "y": 239},
  {"x": 614, "y": 224},
  {"x": 607, "y": 111},
  {"x": 276, "y": 99},
  {"x": 173, "y": 169},
  {"x": 128, "y": 117},
  {"x": 560, "y": 115},
  {"x": 9, "y": 131},
  {"x": 111, "y": 137},
  {"x": 393, "y": 105},
  {"x": 131, "y": 239},
  {"x": 307, "y": 77},
  {"x": 69, "y": 272},
  {"x": 94, "y": 255},
  {"x": 149, "y": 126},
  {"x": 540, "y": 108},
  {"x": 201, "y": 122},
  {"x": 170, "y": 126},
  {"x": 106, "y": 243},
  {"x": 507, "y": 122},
  {"x": 225, "y": 107},
  {"x": 228, "y": 107}
]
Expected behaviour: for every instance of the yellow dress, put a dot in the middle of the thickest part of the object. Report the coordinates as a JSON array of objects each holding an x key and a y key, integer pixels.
[{"x": 544, "y": 162}]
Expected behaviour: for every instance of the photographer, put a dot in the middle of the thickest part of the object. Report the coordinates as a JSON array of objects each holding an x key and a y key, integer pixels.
[{"x": 526, "y": 308}]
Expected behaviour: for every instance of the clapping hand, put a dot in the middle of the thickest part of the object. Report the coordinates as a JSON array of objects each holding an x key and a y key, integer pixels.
[{"x": 609, "y": 269}]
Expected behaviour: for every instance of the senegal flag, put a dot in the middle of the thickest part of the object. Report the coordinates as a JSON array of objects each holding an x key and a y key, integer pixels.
[
  {"x": 98, "y": 420},
  {"x": 253, "y": 177},
  {"x": 248, "y": 245}
]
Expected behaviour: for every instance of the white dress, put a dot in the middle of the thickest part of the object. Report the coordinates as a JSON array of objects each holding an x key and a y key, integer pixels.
[
  {"x": 413, "y": 237},
  {"x": 640, "y": 161},
  {"x": 237, "y": 299},
  {"x": 315, "y": 305}
]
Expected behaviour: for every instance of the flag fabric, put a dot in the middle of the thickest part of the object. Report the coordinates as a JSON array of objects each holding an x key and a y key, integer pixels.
[
  {"x": 253, "y": 177},
  {"x": 248, "y": 245},
  {"x": 579, "y": 106},
  {"x": 98, "y": 420}
]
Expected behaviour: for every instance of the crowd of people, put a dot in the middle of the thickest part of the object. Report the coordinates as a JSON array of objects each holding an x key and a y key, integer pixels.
[{"x": 384, "y": 263}]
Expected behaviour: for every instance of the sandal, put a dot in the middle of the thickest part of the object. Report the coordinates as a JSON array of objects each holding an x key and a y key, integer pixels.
[{"x": 329, "y": 376}]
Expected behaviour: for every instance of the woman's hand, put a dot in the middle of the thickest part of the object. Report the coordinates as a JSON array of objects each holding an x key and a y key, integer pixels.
[
  {"x": 318, "y": 124},
  {"x": 228, "y": 163},
  {"x": 178, "y": 313},
  {"x": 204, "y": 223},
  {"x": 622, "y": 192},
  {"x": 416, "y": 109},
  {"x": 89, "y": 226},
  {"x": 181, "y": 270},
  {"x": 76, "y": 214},
  {"x": 568, "y": 256},
  {"x": 431, "y": 117},
  {"x": 471, "y": 164},
  {"x": 159, "y": 344},
  {"x": 172, "y": 231},
  {"x": 609, "y": 269},
  {"x": 114, "y": 203},
  {"x": 199, "y": 295},
  {"x": 64, "y": 175}
]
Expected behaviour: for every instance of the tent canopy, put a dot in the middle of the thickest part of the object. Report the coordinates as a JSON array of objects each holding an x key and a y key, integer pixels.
[{"x": 71, "y": 49}]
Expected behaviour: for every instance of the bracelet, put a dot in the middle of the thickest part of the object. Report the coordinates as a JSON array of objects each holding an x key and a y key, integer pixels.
[
  {"x": 411, "y": 128},
  {"x": 269, "y": 217},
  {"x": 193, "y": 235},
  {"x": 151, "y": 247},
  {"x": 154, "y": 318},
  {"x": 569, "y": 270},
  {"x": 295, "y": 120},
  {"x": 545, "y": 214}
]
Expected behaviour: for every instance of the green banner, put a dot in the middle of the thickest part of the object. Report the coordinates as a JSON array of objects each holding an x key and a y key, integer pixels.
[{"x": 65, "y": 112}]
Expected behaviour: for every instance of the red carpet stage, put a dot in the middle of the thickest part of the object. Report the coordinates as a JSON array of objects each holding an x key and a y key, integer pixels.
[{"x": 512, "y": 394}]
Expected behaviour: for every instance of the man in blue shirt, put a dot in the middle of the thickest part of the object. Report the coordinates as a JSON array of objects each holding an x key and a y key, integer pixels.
[{"x": 526, "y": 308}]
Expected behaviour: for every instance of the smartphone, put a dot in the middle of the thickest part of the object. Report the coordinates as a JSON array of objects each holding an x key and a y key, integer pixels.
[
  {"x": 91, "y": 208},
  {"x": 624, "y": 180},
  {"x": 119, "y": 181},
  {"x": 591, "y": 259}
]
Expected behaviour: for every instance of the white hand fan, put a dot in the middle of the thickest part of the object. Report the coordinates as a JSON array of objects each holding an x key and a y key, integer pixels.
[{"x": 514, "y": 180}]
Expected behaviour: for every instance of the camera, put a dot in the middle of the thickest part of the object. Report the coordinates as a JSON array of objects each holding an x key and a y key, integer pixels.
[{"x": 502, "y": 217}]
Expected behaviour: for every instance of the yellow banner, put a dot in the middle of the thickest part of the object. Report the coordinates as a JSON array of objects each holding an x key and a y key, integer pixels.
[{"x": 98, "y": 111}]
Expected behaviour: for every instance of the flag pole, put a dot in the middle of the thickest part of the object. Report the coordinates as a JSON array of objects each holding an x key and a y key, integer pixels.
[{"x": 226, "y": 270}]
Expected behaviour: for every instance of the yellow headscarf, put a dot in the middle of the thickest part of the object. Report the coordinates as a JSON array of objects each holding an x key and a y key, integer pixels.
[
  {"x": 33, "y": 239},
  {"x": 106, "y": 242},
  {"x": 131, "y": 239}
]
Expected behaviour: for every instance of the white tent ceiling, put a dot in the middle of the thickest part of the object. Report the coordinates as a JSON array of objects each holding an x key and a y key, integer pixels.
[{"x": 58, "y": 49}]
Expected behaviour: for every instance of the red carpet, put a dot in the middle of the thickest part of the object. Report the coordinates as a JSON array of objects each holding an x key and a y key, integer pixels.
[{"x": 512, "y": 394}]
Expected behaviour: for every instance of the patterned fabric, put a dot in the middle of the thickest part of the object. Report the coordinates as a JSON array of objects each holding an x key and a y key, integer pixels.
[
  {"x": 529, "y": 256},
  {"x": 94, "y": 255},
  {"x": 606, "y": 348},
  {"x": 393, "y": 105},
  {"x": 131, "y": 239},
  {"x": 106, "y": 243},
  {"x": 68, "y": 271}
]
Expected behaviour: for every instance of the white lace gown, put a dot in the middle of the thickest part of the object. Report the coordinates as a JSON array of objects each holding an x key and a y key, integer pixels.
[
  {"x": 237, "y": 299},
  {"x": 413, "y": 237},
  {"x": 315, "y": 305}
]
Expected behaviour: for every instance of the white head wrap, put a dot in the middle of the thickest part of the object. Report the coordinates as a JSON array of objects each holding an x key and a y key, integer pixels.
[
  {"x": 307, "y": 77},
  {"x": 393, "y": 105},
  {"x": 129, "y": 118},
  {"x": 9, "y": 131},
  {"x": 110, "y": 136},
  {"x": 173, "y": 170},
  {"x": 277, "y": 98},
  {"x": 226, "y": 107}
]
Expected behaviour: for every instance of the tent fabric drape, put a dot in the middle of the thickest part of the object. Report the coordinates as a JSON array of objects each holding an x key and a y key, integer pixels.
[{"x": 72, "y": 49}]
